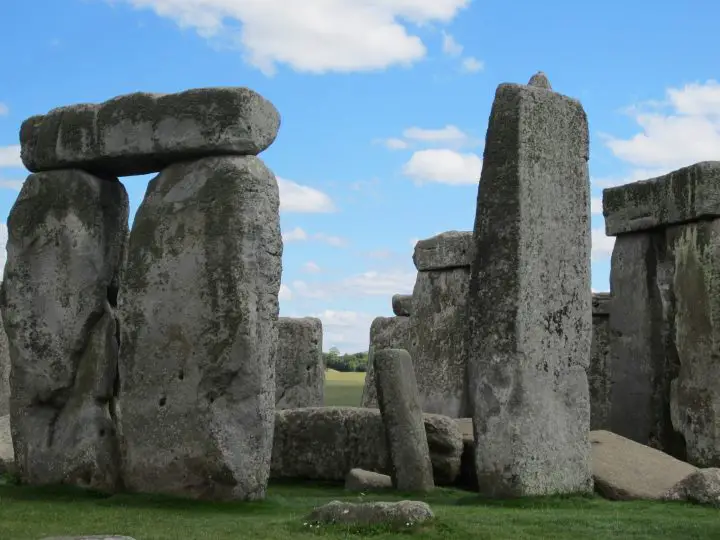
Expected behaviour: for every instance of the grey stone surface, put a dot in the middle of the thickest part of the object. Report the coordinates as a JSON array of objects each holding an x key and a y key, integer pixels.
[
  {"x": 199, "y": 306},
  {"x": 141, "y": 133},
  {"x": 403, "y": 421},
  {"x": 7, "y": 457},
  {"x": 402, "y": 304},
  {"x": 688, "y": 194},
  {"x": 529, "y": 303},
  {"x": 400, "y": 514},
  {"x": 446, "y": 250},
  {"x": 702, "y": 487},
  {"x": 362, "y": 480},
  {"x": 642, "y": 359},
  {"x": 599, "y": 376},
  {"x": 438, "y": 340},
  {"x": 385, "y": 333},
  {"x": 4, "y": 370},
  {"x": 325, "y": 443},
  {"x": 66, "y": 236},
  {"x": 299, "y": 366},
  {"x": 695, "y": 392},
  {"x": 540, "y": 80}
]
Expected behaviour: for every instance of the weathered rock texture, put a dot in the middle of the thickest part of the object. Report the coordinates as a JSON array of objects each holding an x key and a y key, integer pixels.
[
  {"x": 403, "y": 421},
  {"x": 143, "y": 133},
  {"x": 701, "y": 487},
  {"x": 598, "y": 373},
  {"x": 438, "y": 331},
  {"x": 66, "y": 231},
  {"x": 665, "y": 314},
  {"x": 325, "y": 443},
  {"x": 199, "y": 304},
  {"x": 361, "y": 480},
  {"x": 4, "y": 370},
  {"x": 623, "y": 469},
  {"x": 299, "y": 367},
  {"x": 529, "y": 303},
  {"x": 402, "y": 305},
  {"x": 400, "y": 514},
  {"x": 385, "y": 333}
]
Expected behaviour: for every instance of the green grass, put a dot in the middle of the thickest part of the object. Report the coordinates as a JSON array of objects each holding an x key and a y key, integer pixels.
[
  {"x": 343, "y": 388},
  {"x": 31, "y": 513}
]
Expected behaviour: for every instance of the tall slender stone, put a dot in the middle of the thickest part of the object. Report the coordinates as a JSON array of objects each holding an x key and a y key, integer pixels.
[
  {"x": 385, "y": 333},
  {"x": 199, "y": 306},
  {"x": 67, "y": 231},
  {"x": 299, "y": 366},
  {"x": 529, "y": 306},
  {"x": 599, "y": 376}
]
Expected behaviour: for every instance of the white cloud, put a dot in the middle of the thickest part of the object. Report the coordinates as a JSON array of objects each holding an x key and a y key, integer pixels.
[
  {"x": 443, "y": 166},
  {"x": 472, "y": 65},
  {"x": 3, "y": 247},
  {"x": 602, "y": 245},
  {"x": 450, "y": 46},
  {"x": 349, "y": 331},
  {"x": 697, "y": 99},
  {"x": 303, "y": 199},
  {"x": 4, "y": 109},
  {"x": 370, "y": 283},
  {"x": 285, "y": 293},
  {"x": 596, "y": 206},
  {"x": 311, "y": 267},
  {"x": 314, "y": 36},
  {"x": 448, "y": 134},
  {"x": 335, "y": 241},
  {"x": 10, "y": 156},
  {"x": 295, "y": 235},
  {"x": 395, "y": 144},
  {"x": 633, "y": 176},
  {"x": 15, "y": 185}
]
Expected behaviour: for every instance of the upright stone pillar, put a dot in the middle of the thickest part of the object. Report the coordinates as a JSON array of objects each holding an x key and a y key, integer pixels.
[
  {"x": 299, "y": 366},
  {"x": 598, "y": 373},
  {"x": 529, "y": 305},
  {"x": 66, "y": 233}
]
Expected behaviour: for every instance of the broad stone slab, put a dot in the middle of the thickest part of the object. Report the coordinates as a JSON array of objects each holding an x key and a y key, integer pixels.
[
  {"x": 142, "y": 133},
  {"x": 695, "y": 393},
  {"x": 299, "y": 367},
  {"x": 529, "y": 313},
  {"x": 361, "y": 480},
  {"x": 66, "y": 232},
  {"x": 403, "y": 421},
  {"x": 446, "y": 250},
  {"x": 688, "y": 194},
  {"x": 599, "y": 376},
  {"x": 402, "y": 514},
  {"x": 438, "y": 340},
  {"x": 199, "y": 306},
  {"x": 402, "y": 305},
  {"x": 385, "y": 333},
  {"x": 325, "y": 443}
]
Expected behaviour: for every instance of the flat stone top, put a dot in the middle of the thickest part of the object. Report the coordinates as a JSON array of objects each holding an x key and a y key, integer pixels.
[
  {"x": 684, "y": 195},
  {"x": 142, "y": 132},
  {"x": 601, "y": 303},
  {"x": 451, "y": 249}
]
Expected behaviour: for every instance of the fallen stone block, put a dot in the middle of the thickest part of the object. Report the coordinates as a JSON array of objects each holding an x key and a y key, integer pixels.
[
  {"x": 361, "y": 480},
  {"x": 397, "y": 514},
  {"x": 701, "y": 487}
]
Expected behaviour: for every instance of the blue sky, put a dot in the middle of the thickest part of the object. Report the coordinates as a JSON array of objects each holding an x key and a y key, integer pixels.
[{"x": 384, "y": 108}]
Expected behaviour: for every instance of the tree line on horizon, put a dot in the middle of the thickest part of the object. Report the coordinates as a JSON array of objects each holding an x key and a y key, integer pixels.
[{"x": 347, "y": 362}]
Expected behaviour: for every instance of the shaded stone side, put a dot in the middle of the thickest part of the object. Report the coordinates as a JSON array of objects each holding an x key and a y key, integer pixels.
[
  {"x": 688, "y": 194},
  {"x": 199, "y": 308},
  {"x": 528, "y": 352},
  {"x": 599, "y": 377},
  {"x": 66, "y": 234},
  {"x": 299, "y": 366},
  {"x": 4, "y": 370},
  {"x": 438, "y": 335},
  {"x": 695, "y": 392},
  {"x": 385, "y": 333},
  {"x": 402, "y": 305}
]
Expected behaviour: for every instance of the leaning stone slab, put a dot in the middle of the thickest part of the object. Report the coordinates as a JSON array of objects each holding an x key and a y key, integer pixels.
[
  {"x": 403, "y": 421},
  {"x": 688, "y": 194},
  {"x": 325, "y": 443},
  {"x": 701, "y": 487},
  {"x": 529, "y": 312},
  {"x": 299, "y": 367},
  {"x": 623, "y": 469},
  {"x": 385, "y": 333},
  {"x": 446, "y": 250},
  {"x": 199, "y": 306},
  {"x": 67, "y": 231},
  {"x": 402, "y": 305},
  {"x": 398, "y": 514},
  {"x": 142, "y": 133},
  {"x": 599, "y": 376},
  {"x": 361, "y": 480}
]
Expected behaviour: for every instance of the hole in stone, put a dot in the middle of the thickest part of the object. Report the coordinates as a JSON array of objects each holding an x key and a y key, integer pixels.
[
  {"x": 112, "y": 294},
  {"x": 162, "y": 401},
  {"x": 102, "y": 432},
  {"x": 211, "y": 399},
  {"x": 181, "y": 375}
]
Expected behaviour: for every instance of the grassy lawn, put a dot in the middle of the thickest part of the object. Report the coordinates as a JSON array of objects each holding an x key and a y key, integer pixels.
[{"x": 31, "y": 513}]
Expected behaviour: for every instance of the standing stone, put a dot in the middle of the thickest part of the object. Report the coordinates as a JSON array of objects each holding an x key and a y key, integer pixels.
[
  {"x": 438, "y": 331},
  {"x": 4, "y": 370},
  {"x": 599, "y": 376},
  {"x": 66, "y": 234},
  {"x": 299, "y": 366},
  {"x": 403, "y": 421},
  {"x": 199, "y": 307},
  {"x": 529, "y": 306},
  {"x": 385, "y": 333}
]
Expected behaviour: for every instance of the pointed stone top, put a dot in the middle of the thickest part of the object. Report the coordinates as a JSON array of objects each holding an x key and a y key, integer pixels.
[{"x": 540, "y": 80}]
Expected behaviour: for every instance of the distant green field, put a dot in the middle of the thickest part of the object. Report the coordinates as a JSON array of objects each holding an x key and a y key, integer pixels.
[{"x": 343, "y": 389}]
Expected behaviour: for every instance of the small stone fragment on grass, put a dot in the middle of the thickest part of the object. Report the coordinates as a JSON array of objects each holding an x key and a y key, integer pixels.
[
  {"x": 400, "y": 514},
  {"x": 362, "y": 480}
]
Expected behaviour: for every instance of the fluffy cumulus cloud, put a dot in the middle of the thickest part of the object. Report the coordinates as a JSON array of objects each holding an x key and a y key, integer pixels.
[
  {"x": 602, "y": 245},
  {"x": 314, "y": 36},
  {"x": 303, "y": 199},
  {"x": 349, "y": 331},
  {"x": 369, "y": 283},
  {"x": 298, "y": 234},
  {"x": 10, "y": 156},
  {"x": 472, "y": 65},
  {"x": 443, "y": 166}
]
